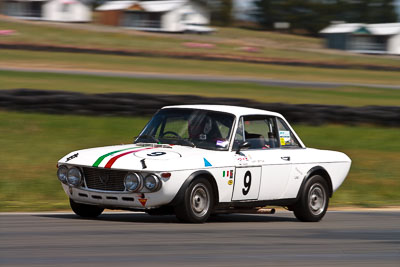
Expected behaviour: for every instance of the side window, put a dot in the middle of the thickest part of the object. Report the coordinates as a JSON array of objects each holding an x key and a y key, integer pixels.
[
  {"x": 286, "y": 137},
  {"x": 259, "y": 131}
]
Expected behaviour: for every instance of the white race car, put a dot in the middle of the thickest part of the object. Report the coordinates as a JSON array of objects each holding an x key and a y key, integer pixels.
[{"x": 197, "y": 160}]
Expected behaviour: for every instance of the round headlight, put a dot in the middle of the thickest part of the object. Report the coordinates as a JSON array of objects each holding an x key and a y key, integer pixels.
[
  {"x": 62, "y": 174},
  {"x": 74, "y": 176},
  {"x": 133, "y": 182},
  {"x": 152, "y": 182}
]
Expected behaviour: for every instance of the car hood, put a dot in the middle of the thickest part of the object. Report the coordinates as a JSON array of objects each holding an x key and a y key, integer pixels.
[{"x": 146, "y": 157}]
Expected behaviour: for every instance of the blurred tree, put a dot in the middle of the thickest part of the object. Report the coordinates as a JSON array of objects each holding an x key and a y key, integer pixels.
[
  {"x": 204, "y": 2},
  {"x": 96, "y": 3},
  {"x": 313, "y": 15},
  {"x": 220, "y": 10}
]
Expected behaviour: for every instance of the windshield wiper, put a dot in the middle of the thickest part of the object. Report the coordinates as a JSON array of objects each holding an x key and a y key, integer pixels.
[
  {"x": 188, "y": 142},
  {"x": 147, "y": 136}
]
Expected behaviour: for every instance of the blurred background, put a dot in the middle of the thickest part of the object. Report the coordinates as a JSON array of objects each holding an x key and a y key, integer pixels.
[{"x": 79, "y": 73}]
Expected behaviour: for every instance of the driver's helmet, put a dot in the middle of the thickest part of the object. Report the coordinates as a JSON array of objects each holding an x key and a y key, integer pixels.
[{"x": 199, "y": 126}]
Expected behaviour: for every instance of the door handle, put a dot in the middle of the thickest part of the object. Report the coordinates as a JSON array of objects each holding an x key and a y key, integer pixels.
[{"x": 286, "y": 158}]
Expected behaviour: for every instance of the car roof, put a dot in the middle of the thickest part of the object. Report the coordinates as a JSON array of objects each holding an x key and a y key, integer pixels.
[{"x": 237, "y": 111}]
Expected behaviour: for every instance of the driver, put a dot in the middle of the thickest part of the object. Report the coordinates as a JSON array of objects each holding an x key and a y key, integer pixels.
[{"x": 199, "y": 127}]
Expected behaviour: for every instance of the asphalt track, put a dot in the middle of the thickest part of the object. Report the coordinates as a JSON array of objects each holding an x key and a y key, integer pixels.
[
  {"x": 197, "y": 77},
  {"x": 363, "y": 238}
]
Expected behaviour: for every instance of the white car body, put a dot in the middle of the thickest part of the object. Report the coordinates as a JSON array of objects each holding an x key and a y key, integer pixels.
[{"x": 277, "y": 174}]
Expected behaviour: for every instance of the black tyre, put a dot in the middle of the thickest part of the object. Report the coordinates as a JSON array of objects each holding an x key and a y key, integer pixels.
[
  {"x": 197, "y": 202},
  {"x": 314, "y": 199},
  {"x": 84, "y": 210}
]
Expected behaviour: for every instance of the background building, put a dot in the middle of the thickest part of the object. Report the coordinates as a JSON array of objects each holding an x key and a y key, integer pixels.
[
  {"x": 382, "y": 38},
  {"x": 51, "y": 10},
  {"x": 165, "y": 16}
]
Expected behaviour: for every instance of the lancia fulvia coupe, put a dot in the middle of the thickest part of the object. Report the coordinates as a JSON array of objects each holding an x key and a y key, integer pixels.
[{"x": 198, "y": 160}]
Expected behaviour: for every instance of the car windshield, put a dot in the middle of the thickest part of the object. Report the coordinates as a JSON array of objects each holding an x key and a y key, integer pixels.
[{"x": 189, "y": 127}]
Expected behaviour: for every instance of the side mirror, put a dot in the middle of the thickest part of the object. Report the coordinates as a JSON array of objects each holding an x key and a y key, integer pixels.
[{"x": 244, "y": 144}]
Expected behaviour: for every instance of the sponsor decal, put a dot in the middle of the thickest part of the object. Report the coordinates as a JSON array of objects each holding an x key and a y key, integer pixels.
[
  {"x": 242, "y": 159},
  {"x": 100, "y": 159},
  {"x": 230, "y": 182},
  {"x": 114, "y": 159},
  {"x": 282, "y": 141},
  {"x": 72, "y": 157},
  {"x": 228, "y": 174},
  {"x": 143, "y": 201},
  {"x": 284, "y": 137},
  {"x": 222, "y": 143},
  {"x": 206, "y": 163}
]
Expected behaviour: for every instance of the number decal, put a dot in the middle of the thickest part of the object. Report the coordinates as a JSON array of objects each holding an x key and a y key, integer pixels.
[
  {"x": 156, "y": 154},
  {"x": 247, "y": 183}
]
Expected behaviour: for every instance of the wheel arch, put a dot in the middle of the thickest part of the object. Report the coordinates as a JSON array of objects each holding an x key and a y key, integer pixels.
[
  {"x": 198, "y": 174},
  {"x": 317, "y": 170}
]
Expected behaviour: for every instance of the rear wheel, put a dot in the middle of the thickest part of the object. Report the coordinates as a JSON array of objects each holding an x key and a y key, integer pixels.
[
  {"x": 84, "y": 210},
  {"x": 197, "y": 202},
  {"x": 313, "y": 202}
]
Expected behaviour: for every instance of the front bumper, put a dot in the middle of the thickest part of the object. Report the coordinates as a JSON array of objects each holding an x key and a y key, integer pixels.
[{"x": 117, "y": 200}]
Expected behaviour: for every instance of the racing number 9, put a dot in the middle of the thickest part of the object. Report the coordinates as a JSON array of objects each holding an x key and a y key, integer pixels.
[{"x": 247, "y": 183}]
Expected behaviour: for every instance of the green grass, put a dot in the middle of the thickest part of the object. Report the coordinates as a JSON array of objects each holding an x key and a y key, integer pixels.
[
  {"x": 228, "y": 41},
  {"x": 350, "y": 96},
  {"x": 375, "y": 152},
  {"x": 31, "y": 145},
  {"x": 77, "y": 61}
]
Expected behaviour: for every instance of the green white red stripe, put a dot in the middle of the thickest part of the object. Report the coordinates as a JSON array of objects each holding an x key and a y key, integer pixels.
[
  {"x": 114, "y": 159},
  {"x": 101, "y": 158}
]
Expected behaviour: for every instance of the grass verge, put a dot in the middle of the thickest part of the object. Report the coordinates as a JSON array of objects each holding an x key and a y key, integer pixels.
[
  {"x": 78, "y": 61},
  {"x": 350, "y": 96},
  {"x": 31, "y": 144}
]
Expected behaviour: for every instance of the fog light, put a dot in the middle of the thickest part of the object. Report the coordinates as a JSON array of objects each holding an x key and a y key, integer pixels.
[
  {"x": 74, "y": 177},
  {"x": 62, "y": 174},
  {"x": 133, "y": 182},
  {"x": 152, "y": 182}
]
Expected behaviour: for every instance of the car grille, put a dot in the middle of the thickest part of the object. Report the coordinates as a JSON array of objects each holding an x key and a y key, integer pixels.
[{"x": 105, "y": 180}]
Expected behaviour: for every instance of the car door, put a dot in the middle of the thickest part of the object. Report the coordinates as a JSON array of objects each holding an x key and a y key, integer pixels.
[
  {"x": 278, "y": 171},
  {"x": 294, "y": 152},
  {"x": 248, "y": 171},
  {"x": 262, "y": 170}
]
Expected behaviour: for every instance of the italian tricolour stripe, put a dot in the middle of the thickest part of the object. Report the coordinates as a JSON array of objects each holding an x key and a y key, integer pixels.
[
  {"x": 100, "y": 159},
  {"x": 113, "y": 159}
]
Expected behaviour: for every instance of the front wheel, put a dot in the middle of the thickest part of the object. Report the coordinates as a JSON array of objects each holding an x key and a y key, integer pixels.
[
  {"x": 197, "y": 202},
  {"x": 313, "y": 202},
  {"x": 84, "y": 210}
]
